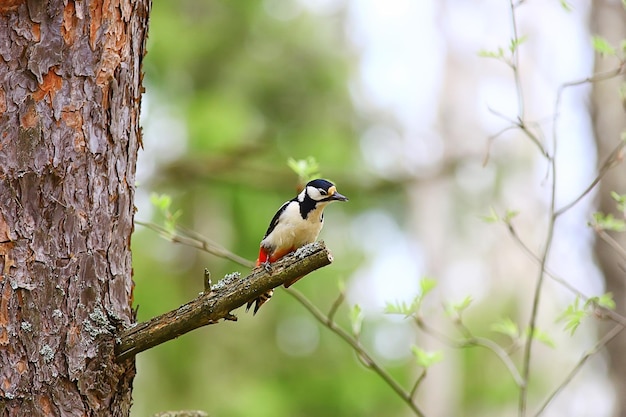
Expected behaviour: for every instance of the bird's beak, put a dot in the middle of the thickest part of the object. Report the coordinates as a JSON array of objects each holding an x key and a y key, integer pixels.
[{"x": 338, "y": 197}]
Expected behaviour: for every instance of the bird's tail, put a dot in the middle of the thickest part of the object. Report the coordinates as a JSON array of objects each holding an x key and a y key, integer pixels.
[
  {"x": 259, "y": 301},
  {"x": 263, "y": 298}
]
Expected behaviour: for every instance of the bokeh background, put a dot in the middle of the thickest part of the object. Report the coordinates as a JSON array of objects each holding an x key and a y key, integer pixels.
[{"x": 400, "y": 110}]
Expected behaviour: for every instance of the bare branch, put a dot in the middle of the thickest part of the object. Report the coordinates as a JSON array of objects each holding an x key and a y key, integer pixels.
[
  {"x": 515, "y": 63},
  {"x": 614, "y": 158},
  {"x": 417, "y": 383},
  {"x": 469, "y": 340},
  {"x": 224, "y": 297},
  {"x": 554, "y": 214},
  {"x": 365, "y": 357},
  {"x": 333, "y": 309},
  {"x": 600, "y": 344},
  {"x": 195, "y": 240},
  {"x": 614, "y": 244},
  {"x": 611, "y": 314},
  {"x": 524, "y": 127}
]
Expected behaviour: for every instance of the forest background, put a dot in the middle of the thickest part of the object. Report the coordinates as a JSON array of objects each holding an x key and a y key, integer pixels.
[{"x": 439, "y": 120}]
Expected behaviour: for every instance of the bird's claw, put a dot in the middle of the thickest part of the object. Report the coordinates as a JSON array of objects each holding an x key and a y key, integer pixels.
[{"x": 267, "y": 266}]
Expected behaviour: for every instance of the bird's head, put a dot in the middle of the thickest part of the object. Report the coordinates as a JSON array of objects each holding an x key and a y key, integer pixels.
[{"x": 322, "y": 191}]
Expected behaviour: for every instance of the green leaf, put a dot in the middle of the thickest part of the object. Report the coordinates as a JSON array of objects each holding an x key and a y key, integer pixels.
[
  {"x": 620, "y": 198},
  {"x": 604, "y": 300},
  {"x": 426, "y": 359},
  {"x": 427, "y": 285},
  {"x": 507, "y": 327},
  {"x": 161, "y": 201},
  {"x": 608, "y": 222},
  {"x": 515, "y": 43},
  {"x": 356, "y": 319},
  {"x": 541, "y": 336},
  {"x": 602, "y": 46},
  {"x": 499, "y": 54},
  {"x": 510, "y": 214},
  {"x": 573, "y": 316},
  {"x": 455, "y": 310},
  {"x": 607, "y": 301},
  {"x": 544, "y": 338},
  {"x": 401, "y": 307},
  {"x": 397, "y": 308},
  {"x": 306, "y": 169},
  {"x": 621, "y": 201},
  {"x": 566, "y": 6},
  {"x": 492, "y": 217},
  {"x": 462, "y": 305},
  {"x": 171, "y": 220}
]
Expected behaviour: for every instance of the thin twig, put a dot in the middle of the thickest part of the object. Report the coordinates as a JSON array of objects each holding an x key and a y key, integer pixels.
[
  {"x": 554, "y": 214},
  {"x": 601, "y": 76},
  {"x": 611, "y": 161},
  {"x": 527, "y": 351},
  {"x": 523, "y": 126},
  {"x": 202, "y": 243},
  {"x": 492, "y": 138},
  {"x": 537, "y": 293},
  {"x": 596, "y": 348},
  {"x": 336, "y": 304},
  {"x": 470, "y": 341},
  {"x": 417, "y": 383},
  {"x": 515, "y": 64},
  {"x": 358, "y": 348},
  {"x": 611, "y": 314},
  {"x": 196, "y": 241},
  {"x": 500, "y": 353},
  {"x": 614, "y": 244}
]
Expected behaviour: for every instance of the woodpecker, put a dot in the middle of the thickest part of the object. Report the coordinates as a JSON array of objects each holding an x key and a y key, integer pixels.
[{"x": 296, "y": 223}]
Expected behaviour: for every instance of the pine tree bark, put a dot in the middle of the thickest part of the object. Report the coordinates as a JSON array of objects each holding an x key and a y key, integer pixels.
[
  {"x": 608, "y": 19},
  {"x": 70, "y": 86}
]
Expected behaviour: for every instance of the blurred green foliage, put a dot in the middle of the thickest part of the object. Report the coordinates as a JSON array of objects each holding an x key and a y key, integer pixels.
[
  {"x": 258, "y": 93},
  {"x": 251, "y": 91}
]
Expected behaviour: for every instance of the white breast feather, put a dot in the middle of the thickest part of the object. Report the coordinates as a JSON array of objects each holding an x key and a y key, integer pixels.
[{"x": 292, "y": 231}]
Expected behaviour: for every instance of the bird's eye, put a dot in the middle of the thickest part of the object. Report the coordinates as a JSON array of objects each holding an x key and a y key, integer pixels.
[{"x": 322, "y": 192}]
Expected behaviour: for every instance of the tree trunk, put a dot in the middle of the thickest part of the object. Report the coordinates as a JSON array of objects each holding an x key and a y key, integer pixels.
[
  {"x": 608, "y": 19},
  {"x": 70, "y": 87}
]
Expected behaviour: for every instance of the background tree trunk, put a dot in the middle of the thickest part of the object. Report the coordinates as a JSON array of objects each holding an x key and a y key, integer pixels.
[
  {"x": 70, "y": 86},
  {"x": 608, "y": 19}
]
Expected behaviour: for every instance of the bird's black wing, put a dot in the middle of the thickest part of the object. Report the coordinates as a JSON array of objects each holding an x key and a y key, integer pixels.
[{"x": 276, "y": 217}]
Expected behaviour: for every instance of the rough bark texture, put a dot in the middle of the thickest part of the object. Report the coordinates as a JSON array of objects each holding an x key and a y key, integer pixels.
[
  {"x": 608, "y": 19},
  {"x": 70, "y": 85}
]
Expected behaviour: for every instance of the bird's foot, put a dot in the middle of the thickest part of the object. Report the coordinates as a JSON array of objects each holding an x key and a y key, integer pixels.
[{"x": 267, "y": 266}]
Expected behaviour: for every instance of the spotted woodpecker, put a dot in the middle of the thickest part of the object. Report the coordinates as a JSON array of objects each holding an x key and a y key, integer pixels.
[{"x": 296, "y": 223}]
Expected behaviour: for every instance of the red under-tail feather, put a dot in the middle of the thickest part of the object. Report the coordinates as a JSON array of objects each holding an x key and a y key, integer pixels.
[
  {"x": 271, "y": 258},
  {"x": 262, "y": 257}
]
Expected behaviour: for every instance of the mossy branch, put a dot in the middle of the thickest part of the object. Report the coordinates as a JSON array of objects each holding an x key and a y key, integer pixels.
[{"x": 224, "y": 297}]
